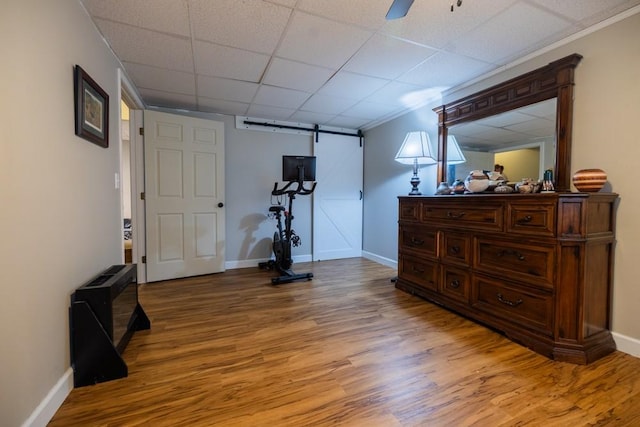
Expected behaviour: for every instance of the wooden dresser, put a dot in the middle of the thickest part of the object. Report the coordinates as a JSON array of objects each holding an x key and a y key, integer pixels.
[{"x": 536, "y": 267}]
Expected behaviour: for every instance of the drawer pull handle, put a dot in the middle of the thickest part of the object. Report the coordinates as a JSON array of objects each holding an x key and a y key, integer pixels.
[
  {"x": 454, "y": 250},
  {"x": 416, "y": 241},
  {"x": 418, "y": 270},
  {"x": 516, "y": 254},
  {"x": 509, "y": 302},
  {"x": 525, "y": 220},
  {"x": 455, "y": 215},
  {"x": 455, "y": 284}
]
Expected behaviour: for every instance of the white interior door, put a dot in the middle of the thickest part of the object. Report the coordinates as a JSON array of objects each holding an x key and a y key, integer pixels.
[
  {"x": 184, "y": 196},
  {"x": 337, "y": 200}
]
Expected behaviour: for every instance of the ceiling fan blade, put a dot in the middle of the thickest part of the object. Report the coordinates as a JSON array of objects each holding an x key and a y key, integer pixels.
[{"x": 399, "y": 8}]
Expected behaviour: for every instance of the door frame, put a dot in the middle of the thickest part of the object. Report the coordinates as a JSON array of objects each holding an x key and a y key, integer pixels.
[{"x": 129, "y": 94}]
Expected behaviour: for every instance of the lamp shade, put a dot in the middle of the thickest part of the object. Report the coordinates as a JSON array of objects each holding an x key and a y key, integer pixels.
[
  {"x": 454, "y": 154},
  {"x": 416, "y": 146}
]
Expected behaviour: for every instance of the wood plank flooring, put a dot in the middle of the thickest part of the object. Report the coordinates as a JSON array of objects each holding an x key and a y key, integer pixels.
[{"x": 345, "y": 349}]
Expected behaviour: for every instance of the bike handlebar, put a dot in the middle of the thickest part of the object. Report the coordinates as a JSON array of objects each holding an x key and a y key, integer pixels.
[{"x": 300, "y": 189}]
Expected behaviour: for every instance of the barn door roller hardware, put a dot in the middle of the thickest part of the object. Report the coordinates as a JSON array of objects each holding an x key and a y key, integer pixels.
[{"x": 316, "y": 129}]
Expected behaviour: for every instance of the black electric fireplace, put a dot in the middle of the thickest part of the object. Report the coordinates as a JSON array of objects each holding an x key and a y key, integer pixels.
[{"x": 105, "y": 312}]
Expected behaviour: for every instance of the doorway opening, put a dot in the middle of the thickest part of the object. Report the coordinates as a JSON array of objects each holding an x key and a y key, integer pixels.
[{"x": 125, "y": 182}]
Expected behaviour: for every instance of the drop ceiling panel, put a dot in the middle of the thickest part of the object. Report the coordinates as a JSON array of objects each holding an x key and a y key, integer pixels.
[
  {"x": 150, "y": 47},
  {"x": 431, "y": 23},
  {"x": 148, "y": 77},
  {"x": 387, "y": 57},
  {"x": 169, "y": 100},
  {"x": 318, "y": 41},
  {"x": 364, "y": 13},
  {"x": 579, "y": 10},
  {"x": 311, "y": 117},
  {"x": 396, "y": 94},
  {"x": 274, "y": 113},
  {"x": 347, "y": 122},
  {"x": 296, "y": 75},
  {"x": 221, "y": 105},
  {"x": 504, "y": 36},
  {"x": 276, "y": 96},
  {"x": 369, "y": 110},
  {"x": 165, "y": 16},
  {"x": 350, "y": 85},
  {"x": 227, "y": 89},
  {"x": 221, "y": 61},
  {"x": 251, "y": 25},
  {"x": 445, "y": 70},
  {"x": 327, "y": 104}
]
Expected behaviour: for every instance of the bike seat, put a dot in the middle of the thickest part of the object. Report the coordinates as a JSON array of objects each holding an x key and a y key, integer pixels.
[{"x": 276, "y": 208}]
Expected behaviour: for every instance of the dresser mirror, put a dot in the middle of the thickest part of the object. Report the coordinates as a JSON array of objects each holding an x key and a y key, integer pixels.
[
  {"x": 536, "y": 93},
  {"x": 522, "y": 140}
]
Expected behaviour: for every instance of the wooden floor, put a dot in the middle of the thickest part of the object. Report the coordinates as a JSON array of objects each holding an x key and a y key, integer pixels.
[{"x": 345, "y": 349}]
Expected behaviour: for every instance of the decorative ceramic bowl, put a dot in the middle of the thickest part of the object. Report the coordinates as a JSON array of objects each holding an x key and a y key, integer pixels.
[
  {"x": 589, "y": 180},
  {"x": 476, "y": 182}
]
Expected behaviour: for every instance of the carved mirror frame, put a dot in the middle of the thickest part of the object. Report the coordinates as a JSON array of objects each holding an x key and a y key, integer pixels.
[{"x": 555, "y": 80}]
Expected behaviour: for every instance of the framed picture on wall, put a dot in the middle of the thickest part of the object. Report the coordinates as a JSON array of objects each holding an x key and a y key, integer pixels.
[{"x": 91, "y": 109}]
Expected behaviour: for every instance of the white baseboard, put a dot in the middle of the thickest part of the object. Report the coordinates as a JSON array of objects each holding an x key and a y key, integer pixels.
[
  {"x": 41, "y": 416},
  {"x": 627, "y": 344},
  {"x": 380, "y": 260}
]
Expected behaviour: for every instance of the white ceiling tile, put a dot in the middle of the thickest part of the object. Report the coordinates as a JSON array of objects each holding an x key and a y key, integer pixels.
[
  {"x": 507, "y": 33},
  {"x": 365, "y": 13},
  {"x": 296, "y": 75},
  {"x": 433, "y": 24},
  {"x": 311, "y": 117},
  {"x": 395, "y": 93},
  {"x": 158, "y": 98},
  {"x": 166, "y": 16},
  {"x": 274, "y": 113},
  {"x": 150, "y": 47},
  {"x": 222, "y": 106},
  {"x": 251, "y": 25},
  {"x": 347, "y": 122},
  {"x": 227, "y": 89},
  {"x": 287, "y": 3},
  {"x": 369, "y": 110},
  {"x": 327, "y": 104},
  {"x": 276, "y": 96},
  {"x": 399, "y": 57},
  {"x": 445, "y": 70},
  {"x": 578, "y": 10},
  {"x": 220, "y": 61},
  {"x": 148, "y": 77},
  {"x": 319, "y": 41},
  {"x": 350, "y": 85}
]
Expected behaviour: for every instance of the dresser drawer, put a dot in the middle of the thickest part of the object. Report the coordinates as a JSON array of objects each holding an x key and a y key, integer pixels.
[
  {"x": 531, "y": 263},
  {"x": 532, "y": 218},
  {"x": 488, "y": 216},
  {"x": 418, "y": 239},
  {"x": 528, "y": 307},
  {"x": 456, "y": 284},
  {"x": 418, "y": 271},
  {"x": 409, "y": 211},
  {"x": 456, "y": 248}
]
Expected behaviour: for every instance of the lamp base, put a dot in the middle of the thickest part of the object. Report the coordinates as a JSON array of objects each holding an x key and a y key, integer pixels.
[{"x": 415, "y": 181}]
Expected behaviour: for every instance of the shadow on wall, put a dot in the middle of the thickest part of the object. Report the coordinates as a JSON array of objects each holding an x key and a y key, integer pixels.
[{"x": 251, "y": 249}]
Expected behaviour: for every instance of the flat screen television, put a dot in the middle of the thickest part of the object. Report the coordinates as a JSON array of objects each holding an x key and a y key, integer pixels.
[{"x": 298, "y": 168}]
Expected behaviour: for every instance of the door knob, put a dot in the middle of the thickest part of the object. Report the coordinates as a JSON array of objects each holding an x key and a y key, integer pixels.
[{"x": 220, "y": 205}]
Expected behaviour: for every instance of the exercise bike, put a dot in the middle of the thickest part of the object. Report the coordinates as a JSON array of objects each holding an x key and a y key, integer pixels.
[{"x": 285, "y": 237}]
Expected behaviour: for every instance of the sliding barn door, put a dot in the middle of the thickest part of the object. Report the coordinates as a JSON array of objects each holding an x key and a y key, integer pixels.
[
  {"x": 184, "y": 196},
  {"x": 337, "y": 200}
]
